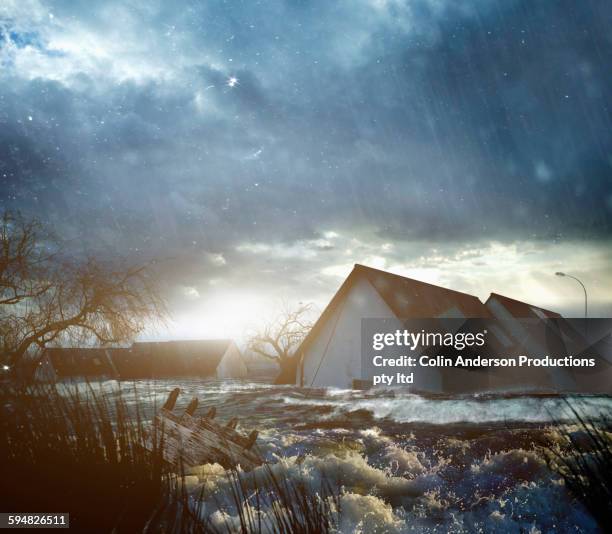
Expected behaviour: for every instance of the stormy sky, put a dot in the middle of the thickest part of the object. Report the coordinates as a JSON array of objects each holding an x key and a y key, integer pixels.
[{"x": 260, "y": 149}]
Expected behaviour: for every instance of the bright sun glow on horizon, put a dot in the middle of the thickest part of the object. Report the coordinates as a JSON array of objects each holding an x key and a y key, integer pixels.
[
  {"x": 523, "y": 271},
  {"x": 231, "y": 314}
]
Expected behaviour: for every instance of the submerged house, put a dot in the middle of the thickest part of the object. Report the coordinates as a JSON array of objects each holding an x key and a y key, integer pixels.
[
  {"x": 561, "y": 338},
  {"x": 331, "y": 354},
  {"x": 66, "y": 363},
  {"x": 514, "y": 318},
  {"x": 219, "y": 358}
]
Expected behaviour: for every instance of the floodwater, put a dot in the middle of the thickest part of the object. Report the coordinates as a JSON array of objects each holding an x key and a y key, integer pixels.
[{"x": 405, "y": 463}]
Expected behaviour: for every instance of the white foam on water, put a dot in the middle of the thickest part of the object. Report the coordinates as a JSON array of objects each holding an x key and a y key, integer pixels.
[
  {"x": 417, "y": 409},
  {"x": 510, "y": 491},
  {"x": 450, "y": 484},
  {"x": 401, "y": 408}
]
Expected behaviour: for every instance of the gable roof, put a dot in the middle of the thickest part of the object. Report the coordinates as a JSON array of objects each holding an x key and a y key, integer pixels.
[
  {"x": 407, "y": 298},
  {"x": 82, "y": 361},
  {"x": 175, "y": 358},
  {"x": 412, "y": 299},
  {"x": 523, "y": 310},
  {"x": 211, "y": 348}
]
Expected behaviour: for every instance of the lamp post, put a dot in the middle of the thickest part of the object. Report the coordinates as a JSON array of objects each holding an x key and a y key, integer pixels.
[{"x": 585, "y": 296}]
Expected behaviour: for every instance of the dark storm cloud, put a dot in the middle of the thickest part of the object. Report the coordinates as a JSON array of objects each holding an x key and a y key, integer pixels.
[{"x": 407, "y": 120}]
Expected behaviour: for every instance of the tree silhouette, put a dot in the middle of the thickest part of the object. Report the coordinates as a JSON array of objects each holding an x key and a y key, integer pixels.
[
  {"x": 46, "y": 296},
  {"x": 279, "y": 339}
]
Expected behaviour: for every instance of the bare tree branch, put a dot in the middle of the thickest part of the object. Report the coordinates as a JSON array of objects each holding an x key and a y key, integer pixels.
[
  {"x": 279, "y": 339},
  {"x": 44, "y": 298}
]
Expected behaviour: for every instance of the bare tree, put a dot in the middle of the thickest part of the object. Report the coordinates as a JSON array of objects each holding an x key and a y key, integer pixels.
[
  {"x": 45, "y": 297},
  {"x": 279, "y": 339}
]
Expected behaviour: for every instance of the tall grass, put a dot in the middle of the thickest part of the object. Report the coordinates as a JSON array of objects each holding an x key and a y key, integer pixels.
[
  {"x": 582, "y": 456},
  {"x": 275, "y": 503},
  {"x": 84, "y": 453},
  {"x": 81, "y": 453}
]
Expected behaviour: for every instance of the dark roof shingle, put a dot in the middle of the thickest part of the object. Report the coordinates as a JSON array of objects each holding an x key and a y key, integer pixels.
[{"x": 407, "y": 298}]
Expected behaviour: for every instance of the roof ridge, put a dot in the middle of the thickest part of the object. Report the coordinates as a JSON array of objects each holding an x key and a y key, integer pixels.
[
  {"x": 388, "y": 273},
  {"x": 208, "y": 340},
  {"x": 522, "y": 302}
]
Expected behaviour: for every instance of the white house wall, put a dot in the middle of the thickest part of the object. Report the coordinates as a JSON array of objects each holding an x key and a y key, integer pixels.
[
  {"x": 232, "y": 364},
  {"x": 341, "y": 363}
]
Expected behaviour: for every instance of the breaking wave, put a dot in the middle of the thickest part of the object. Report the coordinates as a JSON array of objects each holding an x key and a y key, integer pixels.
[{"x": 408, "y": 408}]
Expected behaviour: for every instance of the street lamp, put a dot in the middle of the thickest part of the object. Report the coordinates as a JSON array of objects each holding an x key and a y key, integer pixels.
[
  {"x": 585, "y": 296},
  {"x": 583, "y": 289}
]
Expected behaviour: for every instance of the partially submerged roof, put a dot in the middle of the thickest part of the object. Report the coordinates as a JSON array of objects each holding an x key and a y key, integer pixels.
[
  {"x": 142, "y": 360},
  {"x": 203, "y": 348},
  {"x": 85, "y": 361},
  {"x": 180, "y": 357},
  {"x": 407, "y": 298}
]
